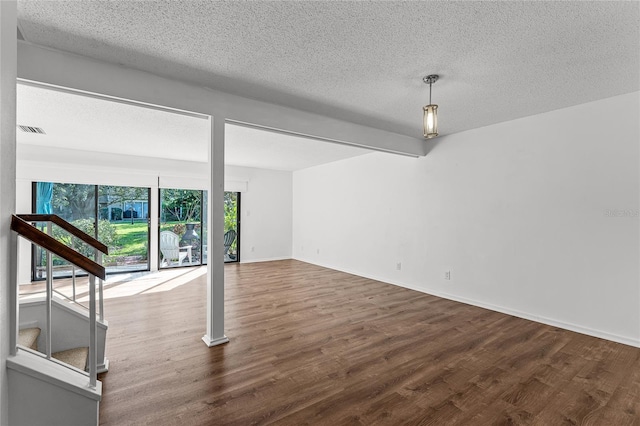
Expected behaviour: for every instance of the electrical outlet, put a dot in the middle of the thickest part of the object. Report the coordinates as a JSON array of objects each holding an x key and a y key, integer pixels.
[
  {"x": 398, "y": 266},
  {"x": 253, "y": 249},
  {"x": 317, "y": 251},
  {"x": 447, "y": 275}
]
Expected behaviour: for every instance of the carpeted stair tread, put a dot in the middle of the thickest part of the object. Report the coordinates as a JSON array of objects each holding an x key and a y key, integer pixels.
[
  {"x": 76, "y": 357},
  {"x": 28, "y": 337}
]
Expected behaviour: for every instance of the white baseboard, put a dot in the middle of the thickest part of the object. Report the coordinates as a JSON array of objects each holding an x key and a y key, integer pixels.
[
  {"x": 104, "y": 367},
  {"x": 30, "y": 324},
  {"x": 266, "y": 259},
  {"x": 214, "y": 342},
  {"x": 531, "y": 317},
  {"x": 525, "y": 315}
]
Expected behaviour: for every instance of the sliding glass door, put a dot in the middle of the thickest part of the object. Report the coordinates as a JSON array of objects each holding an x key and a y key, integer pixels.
[
  {"x": 76, "y": 204},
  {"x": 124, "y": 221},
  {"x": 205, "y": 226},
  {"x": 231, "y": 227},
  {"x": 118, "y": 216},
  {"x": 181, "y": 228}
]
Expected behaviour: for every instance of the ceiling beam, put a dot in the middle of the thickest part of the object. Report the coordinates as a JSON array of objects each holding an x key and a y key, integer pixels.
[{"x": 56, "y": 68}]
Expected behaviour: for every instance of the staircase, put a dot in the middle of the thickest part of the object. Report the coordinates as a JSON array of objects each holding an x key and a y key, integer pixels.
[
  {"x": 56, "y": 345},
  {"x": 28, "y": 337},
  {"x": 75, "y": 357},
  {"x": 70, "y": 327}
]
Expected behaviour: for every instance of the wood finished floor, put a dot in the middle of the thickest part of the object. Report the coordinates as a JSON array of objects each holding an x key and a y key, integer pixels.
[{"x": 315, "y": 346}]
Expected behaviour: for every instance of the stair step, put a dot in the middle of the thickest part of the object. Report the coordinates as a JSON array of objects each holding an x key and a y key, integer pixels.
[
  {"x": 28, "y": 337},
  {"x": 76, "y": 357}
]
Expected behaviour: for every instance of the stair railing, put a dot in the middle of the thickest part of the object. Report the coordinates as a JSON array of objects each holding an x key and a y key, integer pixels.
[{"x": 21, "y": 226}]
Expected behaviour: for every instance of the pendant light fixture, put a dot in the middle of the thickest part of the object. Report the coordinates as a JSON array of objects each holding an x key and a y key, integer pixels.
[{"x": 430, "y": 111}]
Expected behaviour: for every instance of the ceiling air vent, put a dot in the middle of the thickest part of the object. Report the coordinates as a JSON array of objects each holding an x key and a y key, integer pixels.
[{"x": 31, "y": 129}]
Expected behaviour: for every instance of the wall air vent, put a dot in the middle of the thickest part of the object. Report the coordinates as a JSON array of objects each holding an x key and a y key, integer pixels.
[{"x": 31, "y": 129}]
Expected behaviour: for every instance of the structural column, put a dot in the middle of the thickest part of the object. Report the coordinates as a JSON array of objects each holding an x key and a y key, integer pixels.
[{"x": 215, "y": 241}]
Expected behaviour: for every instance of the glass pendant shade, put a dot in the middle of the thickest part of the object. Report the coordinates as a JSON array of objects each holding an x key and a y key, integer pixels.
[{"x": 430, "y": 121}]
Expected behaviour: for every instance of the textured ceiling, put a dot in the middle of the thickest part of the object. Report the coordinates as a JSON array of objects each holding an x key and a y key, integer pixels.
[
  {"x": 363, "y": 61},
  {"x": 78, "y": 122}
]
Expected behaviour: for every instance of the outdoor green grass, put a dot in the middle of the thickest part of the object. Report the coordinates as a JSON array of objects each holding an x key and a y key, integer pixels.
[{"x": 132, "y": 239}]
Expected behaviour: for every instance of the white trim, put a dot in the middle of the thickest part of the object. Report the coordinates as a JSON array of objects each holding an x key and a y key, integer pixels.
[
  {"x": 99, "y": 96},
  {"x": 183, "y": 182},
  {"x": 103, "y": 367},
  {"x": 536, "y": 318},
  {"x": 53, "y": 373},
  {"x": 71, "y": 307},
  {"x": 235, "y": 185},
  {"x": 266, "y": 259},
  {"x": 214, "y": 342},
  {"x": 318, "y": 138},
  {"x": 516, "y": 313},
  {"x": 30, "y": 324}
]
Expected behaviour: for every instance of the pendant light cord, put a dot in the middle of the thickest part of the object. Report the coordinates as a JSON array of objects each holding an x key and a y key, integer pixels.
[{"x": 430, "y": 93}]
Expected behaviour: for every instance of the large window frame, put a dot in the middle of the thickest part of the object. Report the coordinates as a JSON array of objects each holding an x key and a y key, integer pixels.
[
  {"x": 113, "y": 269},
  {"x": 200, "y": 251},
  {"x": 236, "y": 243}
]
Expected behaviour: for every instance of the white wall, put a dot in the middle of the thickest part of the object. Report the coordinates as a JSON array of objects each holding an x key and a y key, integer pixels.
[
  {"x": 8, "y": 299},
  {"x": 68, "y": 165},
  {"x": 537, "y": 217},
  {"x": 44, "y": 393},
  {"x": 266, "y": 213}
]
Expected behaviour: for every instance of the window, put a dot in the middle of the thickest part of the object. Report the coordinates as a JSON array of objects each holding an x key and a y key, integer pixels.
[
  {"x": 181, "y": 228},
  {"x": 231, "y": 227},
  {"x": 117, "y": 216}
]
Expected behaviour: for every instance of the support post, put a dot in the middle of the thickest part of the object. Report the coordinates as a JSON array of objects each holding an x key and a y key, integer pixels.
[{"x": 215, "y": 261}]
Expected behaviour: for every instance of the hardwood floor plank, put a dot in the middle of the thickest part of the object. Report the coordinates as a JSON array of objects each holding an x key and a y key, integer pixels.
[{"x": 315, "y": 346}]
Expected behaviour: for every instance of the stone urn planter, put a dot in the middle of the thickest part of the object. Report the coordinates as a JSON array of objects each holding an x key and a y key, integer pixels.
[{"x": 191, "y": 238}]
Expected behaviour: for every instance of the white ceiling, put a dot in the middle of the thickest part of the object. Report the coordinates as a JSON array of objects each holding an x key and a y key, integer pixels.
[
  {"x": 72, "y": 121},
  {"x": 79, "y": 122},
  {"x": 364, "y": 61},
  {"x": 250, "y": 147}
]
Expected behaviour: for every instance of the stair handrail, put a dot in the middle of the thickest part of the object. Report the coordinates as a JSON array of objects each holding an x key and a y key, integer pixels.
[
  {"x": 21, "y": 226},
  {"x": 54, "y": 218},
  {"x": 99, "y": 247}
]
